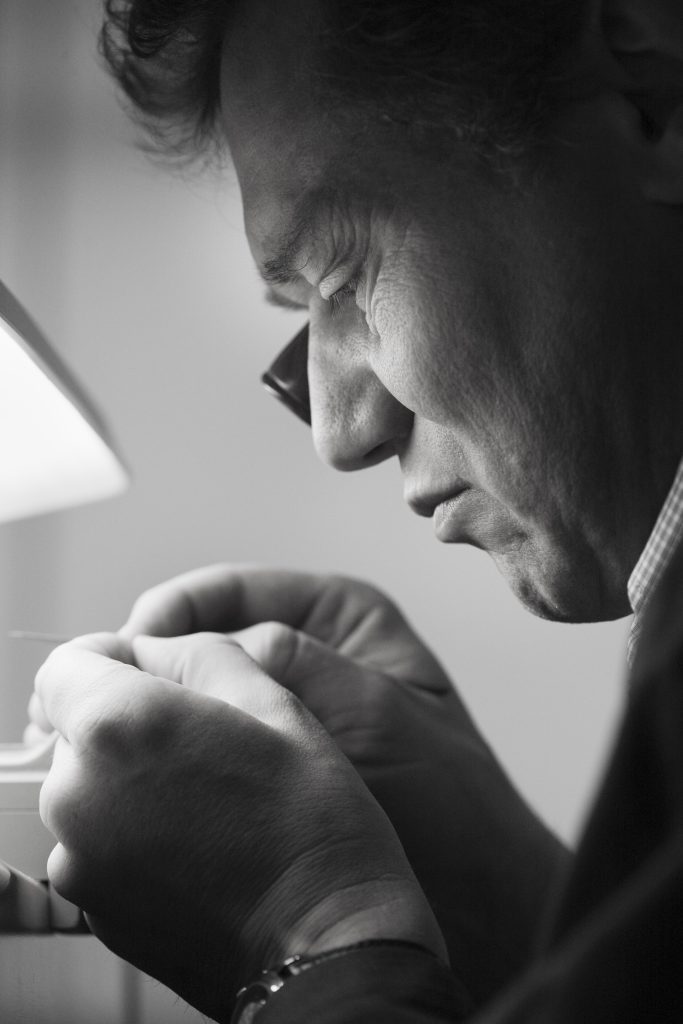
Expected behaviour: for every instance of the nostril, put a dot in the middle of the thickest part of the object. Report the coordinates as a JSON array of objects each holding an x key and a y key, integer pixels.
[
  {"x": 378, "y": 454},
  {"x": 356, "y": 422},
  {"x": 349, "y": 461}
]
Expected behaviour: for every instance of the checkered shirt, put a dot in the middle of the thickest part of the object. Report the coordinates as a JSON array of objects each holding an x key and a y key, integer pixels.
[{"x": 667, "y": 533}]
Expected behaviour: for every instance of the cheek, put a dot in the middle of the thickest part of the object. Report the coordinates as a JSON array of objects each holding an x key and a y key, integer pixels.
[
  {"x": 452, "y": 360},
  {"x": 440, "y": 351}
]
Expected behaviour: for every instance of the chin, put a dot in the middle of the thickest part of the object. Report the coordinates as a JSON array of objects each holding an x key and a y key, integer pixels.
[{"x": 563, "y": 592}]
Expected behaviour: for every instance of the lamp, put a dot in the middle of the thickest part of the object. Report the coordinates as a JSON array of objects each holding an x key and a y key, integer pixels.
[
  {"x": 54, "y": 448},
  {"x": 55, "y": 451}
]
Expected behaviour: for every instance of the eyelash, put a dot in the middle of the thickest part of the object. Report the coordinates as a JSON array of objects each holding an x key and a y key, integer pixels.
[{"x": 347, "y": 291}]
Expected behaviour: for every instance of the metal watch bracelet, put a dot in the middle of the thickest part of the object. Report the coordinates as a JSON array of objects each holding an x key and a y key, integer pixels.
[{"x": 252, "y": 998}]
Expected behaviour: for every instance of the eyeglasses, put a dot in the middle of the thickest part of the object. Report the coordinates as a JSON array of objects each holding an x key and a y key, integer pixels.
[{"x": 287, "y": 377}]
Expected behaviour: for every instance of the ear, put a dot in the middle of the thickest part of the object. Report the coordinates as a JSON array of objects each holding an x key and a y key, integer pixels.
[{"x": 645, "y": 38}]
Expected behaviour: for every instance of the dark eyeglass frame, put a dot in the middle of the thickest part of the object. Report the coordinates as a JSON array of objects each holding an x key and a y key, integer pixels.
[{"x": 287, "y": 377}]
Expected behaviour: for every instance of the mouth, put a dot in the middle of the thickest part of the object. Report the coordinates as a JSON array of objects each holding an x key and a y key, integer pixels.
[
  {"x": 467, "y": 514},
  {"x": 428, "y": 505},
  {"x": 453, "y": 510},
  {"x": 448, "y": 517}
]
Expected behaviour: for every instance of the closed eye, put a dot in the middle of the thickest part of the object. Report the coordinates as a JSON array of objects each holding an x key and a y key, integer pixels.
[{"x": 338, "y": 298}]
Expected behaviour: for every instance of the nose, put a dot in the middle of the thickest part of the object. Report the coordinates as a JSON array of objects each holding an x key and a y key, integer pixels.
[{"x": 356, "y": 421}]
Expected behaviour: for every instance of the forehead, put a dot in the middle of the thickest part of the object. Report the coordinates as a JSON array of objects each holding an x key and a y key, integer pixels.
[
  {"x": 268, "y": 89},
  {"x": 293, "y": 154},
  {"x": 302, "y": 161}
]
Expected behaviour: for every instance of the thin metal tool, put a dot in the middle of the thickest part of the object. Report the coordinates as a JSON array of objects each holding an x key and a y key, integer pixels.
[{"x": 40, "y": 638}]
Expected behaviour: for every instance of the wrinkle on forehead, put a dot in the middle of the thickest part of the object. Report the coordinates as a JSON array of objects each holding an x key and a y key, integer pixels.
[
  {"x": 289, "y": 143},
  {"x": 287, "y": 237}
]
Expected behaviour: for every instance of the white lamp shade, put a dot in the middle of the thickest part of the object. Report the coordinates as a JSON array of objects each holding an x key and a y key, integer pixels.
[{"x": 54, "y": 448}]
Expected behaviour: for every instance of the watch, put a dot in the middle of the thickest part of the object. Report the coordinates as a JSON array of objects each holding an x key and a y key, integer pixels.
[{"x": 252, "y": 998}]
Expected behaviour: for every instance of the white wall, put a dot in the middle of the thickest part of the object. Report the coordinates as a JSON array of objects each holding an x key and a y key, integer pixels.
[{"x": 144, "y": 282}]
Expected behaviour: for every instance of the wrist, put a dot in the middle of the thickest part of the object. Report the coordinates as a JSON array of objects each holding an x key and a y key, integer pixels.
[
  {"x": 384, "y": 909},
  {"x": 254, "y": 997}
]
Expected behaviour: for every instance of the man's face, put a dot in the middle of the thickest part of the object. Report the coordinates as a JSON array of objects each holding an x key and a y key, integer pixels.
[{"x": 487, "y": 333}]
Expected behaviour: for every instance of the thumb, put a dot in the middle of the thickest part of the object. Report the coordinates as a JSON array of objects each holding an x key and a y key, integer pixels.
[
  {"x": 110, "y": 645},
  {"x": 326, "y": 681},
  {"x": 216, "y": 666}
]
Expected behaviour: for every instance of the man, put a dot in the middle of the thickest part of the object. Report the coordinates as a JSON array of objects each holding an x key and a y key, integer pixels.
[{"x": 479, "y": 206}]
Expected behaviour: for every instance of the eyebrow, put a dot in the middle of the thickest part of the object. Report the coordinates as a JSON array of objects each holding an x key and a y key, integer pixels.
[
  {"x": 288, "y": 258},
  {"x": 282, "y": 268},
  {"x": 285, "y": 265}
]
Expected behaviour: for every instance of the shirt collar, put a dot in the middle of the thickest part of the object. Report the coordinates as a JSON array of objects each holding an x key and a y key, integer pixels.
[
  {"x": 661, "y": 545},
  {"x": 657, "y": 553}
]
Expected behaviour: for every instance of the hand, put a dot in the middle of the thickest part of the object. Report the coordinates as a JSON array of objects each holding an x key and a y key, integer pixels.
[
  {"x": 211, "y": 829},
  {"x": 482, "y": 857}
]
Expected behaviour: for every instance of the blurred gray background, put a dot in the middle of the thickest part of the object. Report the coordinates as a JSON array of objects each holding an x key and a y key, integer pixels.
[{"x": 143, "y": 281}]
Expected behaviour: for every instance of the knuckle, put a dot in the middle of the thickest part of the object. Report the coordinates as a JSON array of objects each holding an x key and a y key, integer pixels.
[
  {"x": 110, "y": 645},
  {"x": 100, "y": 726},
  {"x": 99, "y": 729},
  {"x": 135, "y": 723},
  {"x": 65, "y": 875},
  {"x": 279, "y": 643},
  {"x": 147, "y": 603},
  {"x": 273, "y": 645},
  {"x": 53, "y": 667},
  {"x": 35, "y": 710},
  {"x": 34, "y": 735},
  {"x": 154, "y": 715},
  {"x": 166, "y": 609},
  {"x": 57, "y": 806}
]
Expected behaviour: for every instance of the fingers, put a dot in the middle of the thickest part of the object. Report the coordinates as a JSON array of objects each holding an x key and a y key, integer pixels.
[
  {"x": 62, "y": 777},
  {"x": 34, "y": 736},
  {"x": 366, "y": 712},
  {"x": 216, "y": 666},
  {"x": 306, "y": 666},
  {"x": 92, "y": 699},
  {"x": 37, "y": 716},
  {"x": 108, "y": 644},
  {"x": 70, "y": 877},
  {"x": 229, "y": 667},
  {"x": 58, "y": 870},
  {"x": 348, "y": 615},
  {"x": 353, "y": 703},
  {"x": 223, "y": 598},
  {"x": 80, "y": 687},
  {"x": 218, "y": 598}
]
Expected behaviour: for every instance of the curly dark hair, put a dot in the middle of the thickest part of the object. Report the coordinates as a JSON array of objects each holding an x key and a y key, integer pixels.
[{"x": 492, "y": 71}]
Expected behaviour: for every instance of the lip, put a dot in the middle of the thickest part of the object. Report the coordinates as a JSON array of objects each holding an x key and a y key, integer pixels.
[
  {"x": 426, "y": 503},
  {"x": 448, "y": 517}
]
